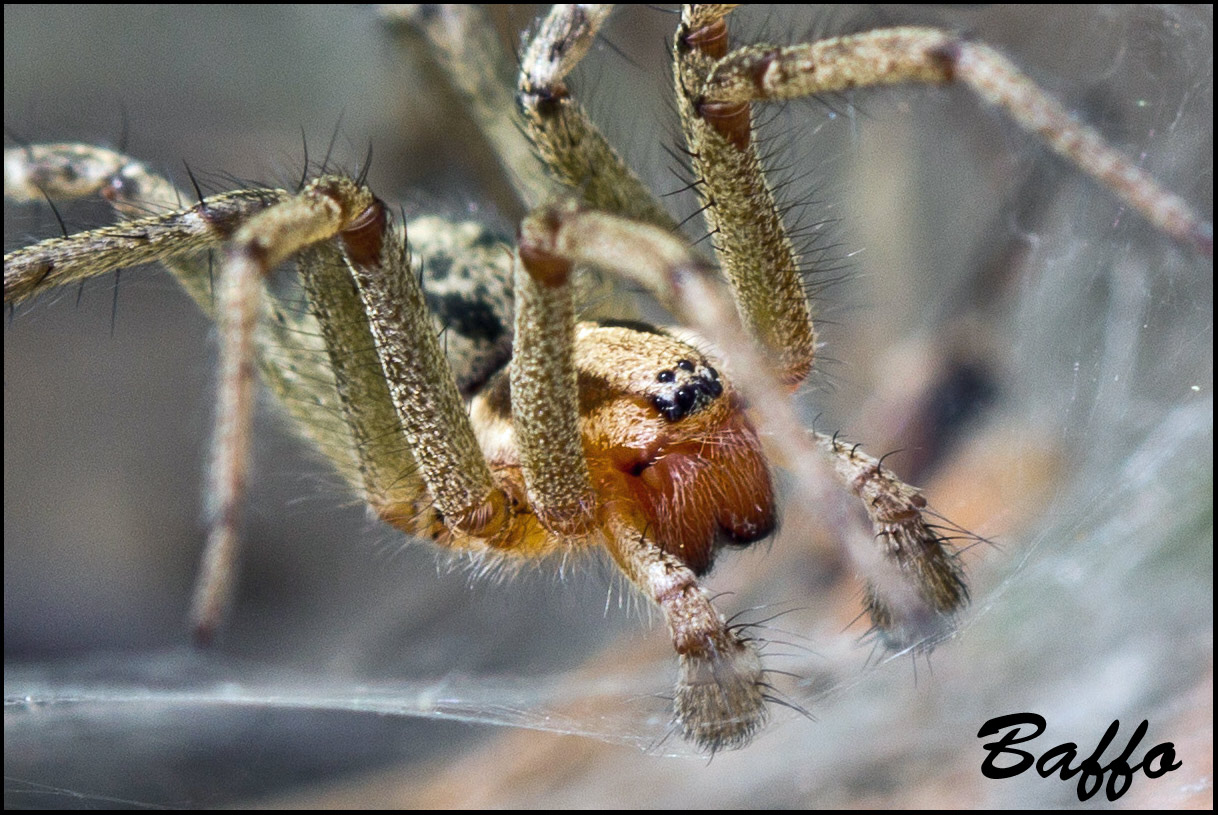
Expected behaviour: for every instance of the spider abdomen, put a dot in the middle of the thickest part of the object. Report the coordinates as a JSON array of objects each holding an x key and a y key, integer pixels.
[{"x": 466, "y": 272}]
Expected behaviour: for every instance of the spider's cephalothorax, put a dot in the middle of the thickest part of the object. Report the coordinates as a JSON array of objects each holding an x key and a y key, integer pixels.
[
  {"x": 664, "y": 435},
  {"x": 526, "y": 431}
]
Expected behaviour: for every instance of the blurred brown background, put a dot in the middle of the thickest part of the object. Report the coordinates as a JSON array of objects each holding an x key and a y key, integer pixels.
[{"x": 1044, "y": 360}]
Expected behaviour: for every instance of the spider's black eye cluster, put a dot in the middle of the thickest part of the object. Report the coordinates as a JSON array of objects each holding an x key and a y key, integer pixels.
[{"x": 686, "y": 389}]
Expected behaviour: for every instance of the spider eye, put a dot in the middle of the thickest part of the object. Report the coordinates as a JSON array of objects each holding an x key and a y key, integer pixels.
[
  {"x": 685, "y": 399},
  {"x": 688, "y": 395}
]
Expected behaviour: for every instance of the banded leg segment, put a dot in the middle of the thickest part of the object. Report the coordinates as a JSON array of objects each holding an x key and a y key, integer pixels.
[
  {"x": 720, "y": 698},
  {"x": 927, "y": 55},
  {"x": 68, "y": 171},
  {"x": 318, "y": 213},
  {"x": 545, "y": 390},
  {"x": 566, "y": 139},
  {"x": 750, "y": 240},
  {"x": 424, "y": 392}
]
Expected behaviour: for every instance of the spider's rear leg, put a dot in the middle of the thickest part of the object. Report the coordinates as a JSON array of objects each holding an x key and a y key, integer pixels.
[
  {"x": 299, "y": 360},
  {"x": 462, "y": 41},
  {"x": 290, "y": 349}
]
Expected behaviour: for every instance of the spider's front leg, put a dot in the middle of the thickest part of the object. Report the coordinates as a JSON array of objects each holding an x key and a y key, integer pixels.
[
  {"x": 722, "y": 86},
  {"x": 676, "y": 467},
  {"x": 914, "y": 583},
  {"x": 721, "y": 693},
  {"x": 597, "y": 433},
  {"x": 665, "y": 498}
]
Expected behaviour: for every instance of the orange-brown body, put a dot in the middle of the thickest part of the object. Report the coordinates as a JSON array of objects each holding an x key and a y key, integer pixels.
[{"x": 668, "y": 445}]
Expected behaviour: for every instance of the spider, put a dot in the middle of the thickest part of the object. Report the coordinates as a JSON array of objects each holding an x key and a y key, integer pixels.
[{"x": 695, "y": 386}]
